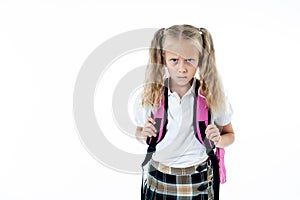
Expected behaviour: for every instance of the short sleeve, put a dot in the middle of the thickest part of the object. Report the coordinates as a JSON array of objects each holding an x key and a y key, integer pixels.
[
  {"x": 140, "y": 113},
  {"x": 225, "y": 117}
]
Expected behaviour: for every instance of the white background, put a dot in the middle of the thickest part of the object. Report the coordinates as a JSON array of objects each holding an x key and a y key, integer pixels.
[{"x": 44, "y": 43}]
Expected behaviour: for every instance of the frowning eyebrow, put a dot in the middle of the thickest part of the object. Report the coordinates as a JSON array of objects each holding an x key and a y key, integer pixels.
[{"x": 177, "y": 57}]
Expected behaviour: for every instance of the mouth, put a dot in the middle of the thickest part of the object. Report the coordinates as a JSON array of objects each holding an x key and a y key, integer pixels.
[{"x": 182, "y": 77}]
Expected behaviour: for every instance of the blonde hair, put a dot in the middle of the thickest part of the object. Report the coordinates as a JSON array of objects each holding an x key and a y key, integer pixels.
[{"x": 210, "y": 84}]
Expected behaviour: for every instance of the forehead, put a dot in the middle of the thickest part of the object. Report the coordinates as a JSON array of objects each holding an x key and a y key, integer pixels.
[{"x": 185, "y": 48}]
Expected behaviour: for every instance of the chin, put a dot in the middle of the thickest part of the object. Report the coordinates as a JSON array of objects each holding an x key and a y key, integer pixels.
[{"x": 183, "y": 82}]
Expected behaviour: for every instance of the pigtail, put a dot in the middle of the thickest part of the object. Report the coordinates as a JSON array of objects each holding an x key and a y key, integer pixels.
[
  {"x": 154, "y": 73},
  {"x": 210, "y": 83}
]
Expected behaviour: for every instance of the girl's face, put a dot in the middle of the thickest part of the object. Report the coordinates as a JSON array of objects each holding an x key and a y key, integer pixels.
[{"x": 181, "y": 59}]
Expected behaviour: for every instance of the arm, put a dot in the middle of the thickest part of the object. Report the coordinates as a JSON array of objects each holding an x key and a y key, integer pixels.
[
  {"x": 138, "y": 134},
  {"x": 148, "y": 130},
  {"x": 222, "y": 136},
  {"x": 226, "y": 137}
]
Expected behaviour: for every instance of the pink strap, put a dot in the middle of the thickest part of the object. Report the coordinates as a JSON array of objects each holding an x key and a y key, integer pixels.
[
  {"x": 160, "y": 113},
  {"x": 220, "y": 152},
  {"x": 201, "y": 114}
]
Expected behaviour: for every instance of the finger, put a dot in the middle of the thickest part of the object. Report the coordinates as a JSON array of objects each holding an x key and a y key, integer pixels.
[
  {"x": 149, "y": 132},
  {"x": 215, "y": 137},
  {"x": 151, "y": 127},
  {"x": 207, "y": 130},
  {"x": 210, "y": 134},
  {"x": 153, "y": 131},
  {"x": 211, "y": 126},
  {"x": 151, "y": 120}
]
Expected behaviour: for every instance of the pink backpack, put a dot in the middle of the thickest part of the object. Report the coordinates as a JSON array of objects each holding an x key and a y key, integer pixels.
[{"x": 202, "y": 117}]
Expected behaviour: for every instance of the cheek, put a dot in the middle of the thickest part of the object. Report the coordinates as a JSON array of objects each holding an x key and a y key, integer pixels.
[
  {"x": 196, "y": 64},
  {"x": 192, "y": 68},
  {"x": 170, "y": 65},
  {"x": 170, "y": 69}
]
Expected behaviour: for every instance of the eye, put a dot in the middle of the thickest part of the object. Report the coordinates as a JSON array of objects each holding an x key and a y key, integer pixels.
[
  {"x": 173, "y": 60},
  {"x": 190, "y": 60}
]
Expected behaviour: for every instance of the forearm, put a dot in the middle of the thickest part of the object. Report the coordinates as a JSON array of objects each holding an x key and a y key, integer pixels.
[
  {"x": 138, "y": 135},
  {"x": 227, "y": 136},
  {"x": 225, "y": 140}
]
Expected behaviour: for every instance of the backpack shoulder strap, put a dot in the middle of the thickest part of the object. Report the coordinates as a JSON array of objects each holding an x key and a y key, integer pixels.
[
  {"x": 202, "y": 117},
  {"x": 160, "y": 117}
]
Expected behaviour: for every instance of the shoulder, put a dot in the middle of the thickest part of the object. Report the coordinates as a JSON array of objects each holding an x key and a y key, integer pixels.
[
  {"x": 225, "y": 117},
  {"x": 140, "y": 112}
]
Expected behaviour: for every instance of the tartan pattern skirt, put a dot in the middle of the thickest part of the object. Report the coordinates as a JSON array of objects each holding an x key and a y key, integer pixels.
[{"x": 167, "y": 183}]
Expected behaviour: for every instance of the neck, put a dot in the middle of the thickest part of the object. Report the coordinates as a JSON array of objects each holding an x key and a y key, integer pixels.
[{"x": 180, "y": 89}]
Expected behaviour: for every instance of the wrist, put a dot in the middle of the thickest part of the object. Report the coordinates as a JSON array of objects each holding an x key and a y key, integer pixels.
[{"x": 219, "y": 141}]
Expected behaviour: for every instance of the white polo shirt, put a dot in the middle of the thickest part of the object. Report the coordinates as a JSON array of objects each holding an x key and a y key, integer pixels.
[{"x": 179, "y": 148}]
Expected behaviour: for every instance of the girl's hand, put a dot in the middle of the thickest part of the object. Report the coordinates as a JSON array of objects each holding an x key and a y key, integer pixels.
[
  {"x": 147, "y": 131},
  {"x": 212, "y": 133}
]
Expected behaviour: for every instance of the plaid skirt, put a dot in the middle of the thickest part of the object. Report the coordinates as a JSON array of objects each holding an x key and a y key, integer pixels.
[{"x": 190, "y": 183}]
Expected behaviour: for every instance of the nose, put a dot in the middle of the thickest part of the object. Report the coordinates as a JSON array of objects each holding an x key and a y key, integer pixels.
[{"x": 181, "y": 67}]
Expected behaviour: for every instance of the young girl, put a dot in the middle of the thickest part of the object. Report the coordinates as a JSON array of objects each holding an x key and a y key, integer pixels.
[{"x": 181, "y": 168}]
